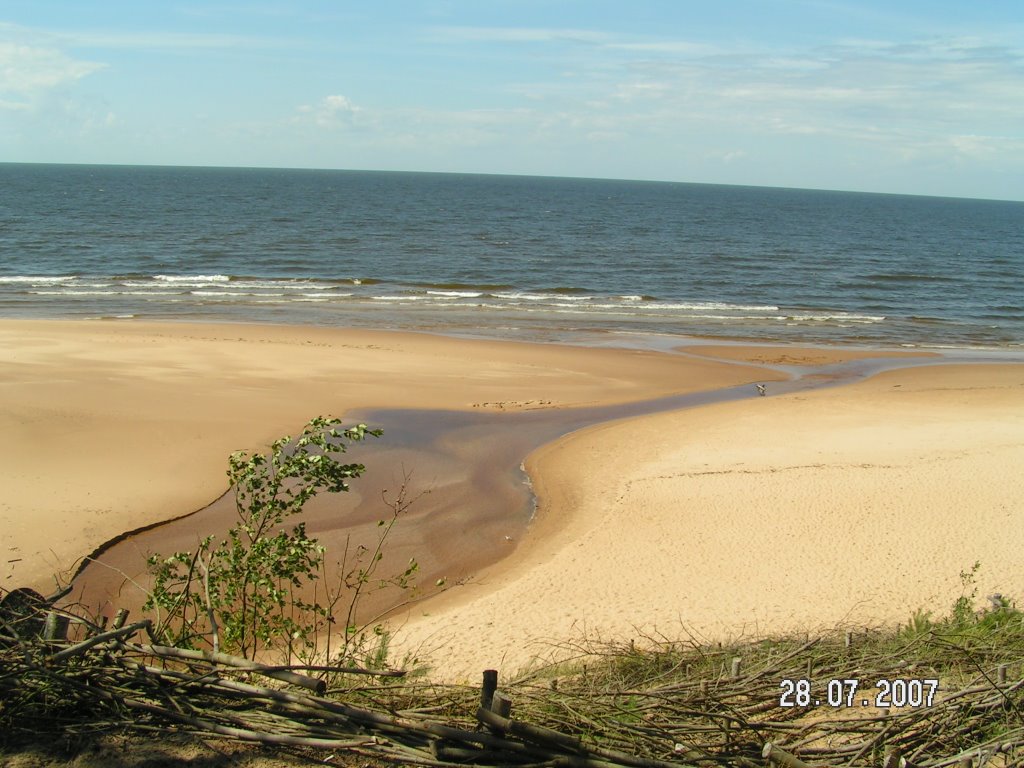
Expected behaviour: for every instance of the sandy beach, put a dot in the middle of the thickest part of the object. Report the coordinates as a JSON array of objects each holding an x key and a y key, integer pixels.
[
  {"x": 113, "y": 426},
  {"x": 853, "y": 504}
]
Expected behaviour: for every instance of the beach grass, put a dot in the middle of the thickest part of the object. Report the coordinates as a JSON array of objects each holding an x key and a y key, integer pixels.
[{"x": 647, "y": 701}]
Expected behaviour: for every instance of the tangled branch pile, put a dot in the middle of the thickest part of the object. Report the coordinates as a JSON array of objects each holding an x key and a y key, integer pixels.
[
  {"x": 670, "y": 703},
  {"x": 946, "y": 692},
  {"x": 724, "y": 706}
]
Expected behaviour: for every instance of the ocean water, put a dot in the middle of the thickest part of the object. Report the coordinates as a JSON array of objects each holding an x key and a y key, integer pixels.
[{"x": 507, "y": 256}]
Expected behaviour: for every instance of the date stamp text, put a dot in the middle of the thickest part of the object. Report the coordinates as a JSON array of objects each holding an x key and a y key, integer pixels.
[{"x": 884, "y": 693}]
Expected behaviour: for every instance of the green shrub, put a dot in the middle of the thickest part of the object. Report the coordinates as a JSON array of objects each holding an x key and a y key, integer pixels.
[{"x": 242, "y": 594}]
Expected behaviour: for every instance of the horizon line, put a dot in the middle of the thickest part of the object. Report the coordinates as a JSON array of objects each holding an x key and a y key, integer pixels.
[{"x": 505, "y": 175}]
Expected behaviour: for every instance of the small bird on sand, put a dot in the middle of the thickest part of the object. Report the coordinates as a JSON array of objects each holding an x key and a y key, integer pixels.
[{"x": 760, "y": 389}]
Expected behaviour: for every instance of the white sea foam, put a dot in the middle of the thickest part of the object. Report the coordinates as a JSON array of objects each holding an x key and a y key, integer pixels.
[
  {"x": 712, "y": 305},
  {"x": 104, "y": 293},
  {"x": 516, "y": 295},
  {"x": 72, "y": 293},
  {"x": 836, "y": 317},
  {"x": 456, "y": 294},
  {"x": 570, "y": 309},
  {"x": 37, "y": 280},
  {"x": 276, "y": 285},
  {"x": 237, "y": 293},
  {"x": 193, "y": 278},
  {"x": 312, "y": 285},
  {"x": 139, "y": 284}
]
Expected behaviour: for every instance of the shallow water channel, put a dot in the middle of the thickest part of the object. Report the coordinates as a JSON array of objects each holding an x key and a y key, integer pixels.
[{"x": 462, "y": 470}]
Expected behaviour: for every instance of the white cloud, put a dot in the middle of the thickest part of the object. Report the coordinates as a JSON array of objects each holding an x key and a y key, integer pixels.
[
  {"x": 515, "y": 35},
  {"x": 335, "y": 104},
  {"x": 638, "y": 90},
  {"x": 675, "y": 47},
  {"x": 175, "y": 41},
  {"x": 793, "y": 63},
  {"x": 330, "y": 111},
  {"x": 928, "y": 102},
  {"x": 26, "y": 71},
  {"x": 138, "y": 39},
  {"x": 925, "y": 92},
  {"x": 552, "y": 96}
]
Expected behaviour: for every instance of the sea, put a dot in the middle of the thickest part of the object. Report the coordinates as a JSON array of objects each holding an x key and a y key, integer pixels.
[{"x": 555, "y": 259}]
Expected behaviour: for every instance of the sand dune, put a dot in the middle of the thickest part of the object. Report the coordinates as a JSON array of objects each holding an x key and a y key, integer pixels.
[{"x": 857, "y": 504}]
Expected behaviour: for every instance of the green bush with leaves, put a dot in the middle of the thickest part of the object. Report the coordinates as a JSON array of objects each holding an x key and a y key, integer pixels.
[{"x": 243, "y": 594}]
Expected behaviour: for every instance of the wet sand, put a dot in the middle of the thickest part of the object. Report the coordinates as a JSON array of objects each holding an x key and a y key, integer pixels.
[
  {"x": 847, "y": 506},
  {"x": 114, "y": 426},
  {"x": 471, "y": 500},
  {"x": 807, "y": 507}
]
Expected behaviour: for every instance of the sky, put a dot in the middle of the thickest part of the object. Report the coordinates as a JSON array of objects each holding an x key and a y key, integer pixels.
[{"x": 893, "y": 96}]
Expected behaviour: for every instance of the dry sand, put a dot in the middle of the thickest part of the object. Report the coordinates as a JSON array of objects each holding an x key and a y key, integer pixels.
[
  {"x": 851, "y": 504},
  {"x": 111, "y": 426},
  {"x": 769, "y": 354},
  {"x": 856, "y": 504}
]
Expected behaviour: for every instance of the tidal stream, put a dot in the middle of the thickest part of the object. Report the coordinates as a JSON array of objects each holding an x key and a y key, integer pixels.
[{"x": 469, "y": 499}]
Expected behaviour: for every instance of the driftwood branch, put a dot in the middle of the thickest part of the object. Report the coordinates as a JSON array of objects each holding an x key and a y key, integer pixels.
[
  {"x": 215, "y": 657},
  {"x": 104, "y": 637},
  {"x": 720, "y": 714}
]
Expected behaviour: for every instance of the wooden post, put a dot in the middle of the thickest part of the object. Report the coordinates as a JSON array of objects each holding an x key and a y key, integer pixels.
[
  {"x": 451, "y": 754},
  {"x": 437, "y": 749},
  {"x": 1001, "y": 673},
  {"x": 490, "y": 685},
  {"x": 501, "y": 704},
  {"x": 704, "y": 688},
  {"x": 536, "y": 734},
  {"x": 849, "y": 639},
  {"x": 56, "y": 627},
  {"x": 734, "y": 670},
  {"x": 119, "y": 618}
]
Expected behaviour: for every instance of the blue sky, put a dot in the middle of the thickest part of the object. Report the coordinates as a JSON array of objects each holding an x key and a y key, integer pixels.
[{"x": 911, "y": 97}]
